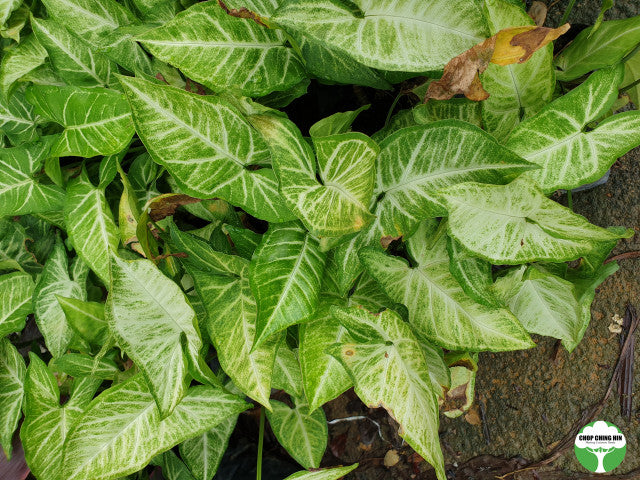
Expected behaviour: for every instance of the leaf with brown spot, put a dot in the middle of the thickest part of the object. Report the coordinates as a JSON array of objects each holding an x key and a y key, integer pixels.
[
  {"x": 166, "y": 205},
  {"x": 516, "y": 45}
]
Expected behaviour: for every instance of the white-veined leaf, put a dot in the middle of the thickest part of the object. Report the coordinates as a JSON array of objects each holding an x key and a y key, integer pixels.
[
  {"x": 324, "y": 474},
  {"x": 157, "y": 10},
  {"x": 172, "y": 467},
  {"x": 73, "y": 60},
  {"x": 439, "y": 310},
  {"x": 331, "y": 197},
  {"x": 405, "y": 35},
  {"x": 155, "y": 325},
  {"x": 558, "y": 140},
  {"x": 12, "y": 373},
  {"x": 90, "y": 224},
  {"x": 46, "y": 423},
  {"x": 18, "y": 121},
  {"x": 16, "y": 293},
  {"x": 285, "y": 276},
  {"x": 389, "y": 370},
  {"x": 203, "y": 453},
  {"x": 122, "y": 429},
  {"x": 86, "y": 319},
  {"x": 515, "y": 223},
  {"x": 224, "y": 52},
  {"x": 56, "y": 281},
  {"x": 96, "y": 121},
  {"x": 79, "y": 365},
  {"x": 20, "y": 60},
  {"x": 519, "y": 90},
  {"x": 190, "y": 136},
  {"x": 302, "y": 433},
  {"x": 287, "y": 374}
]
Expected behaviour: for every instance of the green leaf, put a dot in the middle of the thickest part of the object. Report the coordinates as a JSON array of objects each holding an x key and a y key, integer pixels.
[
  {"x": 96, "y": 121},
  {"x": 224, "y": 52},
  {"x": 172, "y": 467},
  {"x": 407, "y": 36},
  {"x": 605, "y": 46},
  {"x": 46, "y": 423},
  {"x": 156, "y": 10},
  {"x": 12, "y": 373},
  {"x": 73, "y": 60},
  {"x": 519, "y": 90},
  {"x": 16, "y": 292},
  {"x": 544, "y": 303},
  {"x": 86, "y": 319},
  {"x": 203, "y": 453},
  {"x": 324, "y": 474},
  {"x": 244, "y": 241},
  {"x": 55, "y": 281},
  {"x": 14, "y": 254},
  {"x": 20, "y": 60},
  {"x": 332, "y": 198},
  {"x": 20, "y": 192},
  {"x": 287, "y": 374},
  {"x": 122, "y": 429},
  {"x": 6, "y": 8},
  {"x": 285, "y": 276},
  {"x": 18, "y": 120},
  {"x": 516, "y": 223},
  {"x": 439, "y": 309},
  {"x": 189, "y": 135},
  {"x": 631, "y": 74},
  {"x": 90, "y": 224},
  {"x": 389, "y": 370},
  {"x": 155, "y": 325},
  {"x": 335, "y": 124},
  {"x": 557, "y": 138},
  {"x": 79, "y": 365},
  {"x": 303, "y": 434},
  {"x": 416, "y": 162}
]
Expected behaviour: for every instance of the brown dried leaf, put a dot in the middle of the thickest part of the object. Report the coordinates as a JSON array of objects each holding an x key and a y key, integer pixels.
[
  {"x": 166, "y": 205},
  {"x": 386, "y": 241},
  {"x": 510, "y": 45},
  {"x": 538, "y": 13},
  {"x": 243, "y": 12}
]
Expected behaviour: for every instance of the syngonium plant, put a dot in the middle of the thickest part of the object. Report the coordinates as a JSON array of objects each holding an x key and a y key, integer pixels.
[{"x": 185, "y": 249}]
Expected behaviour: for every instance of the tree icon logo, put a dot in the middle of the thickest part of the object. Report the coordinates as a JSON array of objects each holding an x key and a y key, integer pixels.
[{"x": 600, "y": 446}]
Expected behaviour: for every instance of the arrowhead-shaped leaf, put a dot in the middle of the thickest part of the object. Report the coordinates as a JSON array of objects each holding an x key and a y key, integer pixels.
[
  {"x": 16, "y": 293},
  {"x": 303, "y": 434},
  {"x": 224, "y": 52},
  {"x": 122, "y": 429},
  {"x": 79, "y": 365},
  {"x": 557, "y": 140},
  {"x": 18, "y": 121},
  {"x": 86, "y": 319},
  {"x": 96, "y": 121},
  {"x": 287, "y": 374},
  {"x": 189, "y": 135},
  {"x": 12, "y": 373},
  {"x": 152, "y": 319},
  {"x": 389, "y": 370},
  {"x": 17, "y": 62},
  {"x": 515, "y": 223},
  {"x": 56, "y": 281},
  {"x": 324, "y": 474},
  {"x": 405, "y": 36},
  {"x": 332, "y": 198},
  {"x": 439, "y": 309},
  {"x": 285, "y": 276}
]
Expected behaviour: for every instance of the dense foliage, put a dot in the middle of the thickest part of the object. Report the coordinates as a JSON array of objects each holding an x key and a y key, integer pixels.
[{"x": 185, "y": 250}]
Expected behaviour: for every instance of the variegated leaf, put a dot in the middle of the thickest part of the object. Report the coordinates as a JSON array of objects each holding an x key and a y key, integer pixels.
[
  {"x": 190, "y": 136},
  {"x": 406, "y": 36},
  {"x": 12, "y": 373},
  {"x": 331, "y": 199},
  {"x": 152, "y": 319},
  {"x": 224, "y": 52},
  {"x": 18, "y": 121},
  {"x": 516, "y": 223},
  {"x": 173, "y": 468},
  {"x": 519, "y": 90},
  {"x": 16, "y": 293},
  {"x": 80, "y": 365},
  {"x": 287, "y": 374},
  {"x": 73, "y": 60},
  {"x": 439, "y": 310},
  {"x": 389, "y": 370},
  {"x": 324, "y": 474},
  {"x": 557, "y": 140},
  {"x": 285, "y": 276},
  {"x": 302, "y": 433},
  {"x": 157, "y": 10},
  {"x": 20, "y": 192},
  {"x": 96, "y": 121},
  {"x": 203, "y": 453},
  {"x": 86, "y": 319},
  {"x": 90, "y": 224},
  {"x": 46, "y": 423},
  {"x": 56, "y": 281},
  {"x": 17, "y": 62},
  {"x": 122, "y": 429}
]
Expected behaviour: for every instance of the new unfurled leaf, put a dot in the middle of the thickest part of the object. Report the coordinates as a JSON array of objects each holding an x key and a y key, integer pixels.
[
  {"x": 389, "y": 370},
  {"x": 516, "y": 223},
  {"x": 16, "y": 292}
]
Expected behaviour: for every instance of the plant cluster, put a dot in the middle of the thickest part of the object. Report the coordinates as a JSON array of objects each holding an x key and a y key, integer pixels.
[{"x": 185, "y": 250}]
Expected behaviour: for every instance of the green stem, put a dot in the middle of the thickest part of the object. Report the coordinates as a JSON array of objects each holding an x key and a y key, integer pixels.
[
  {"x": 260, "y": 445},
  {"x": 392, "y": 108},
  {"x": 567, "y": 12},
  {"x": 630, "y": 86},
  {"x": 569, "y": 200}
]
